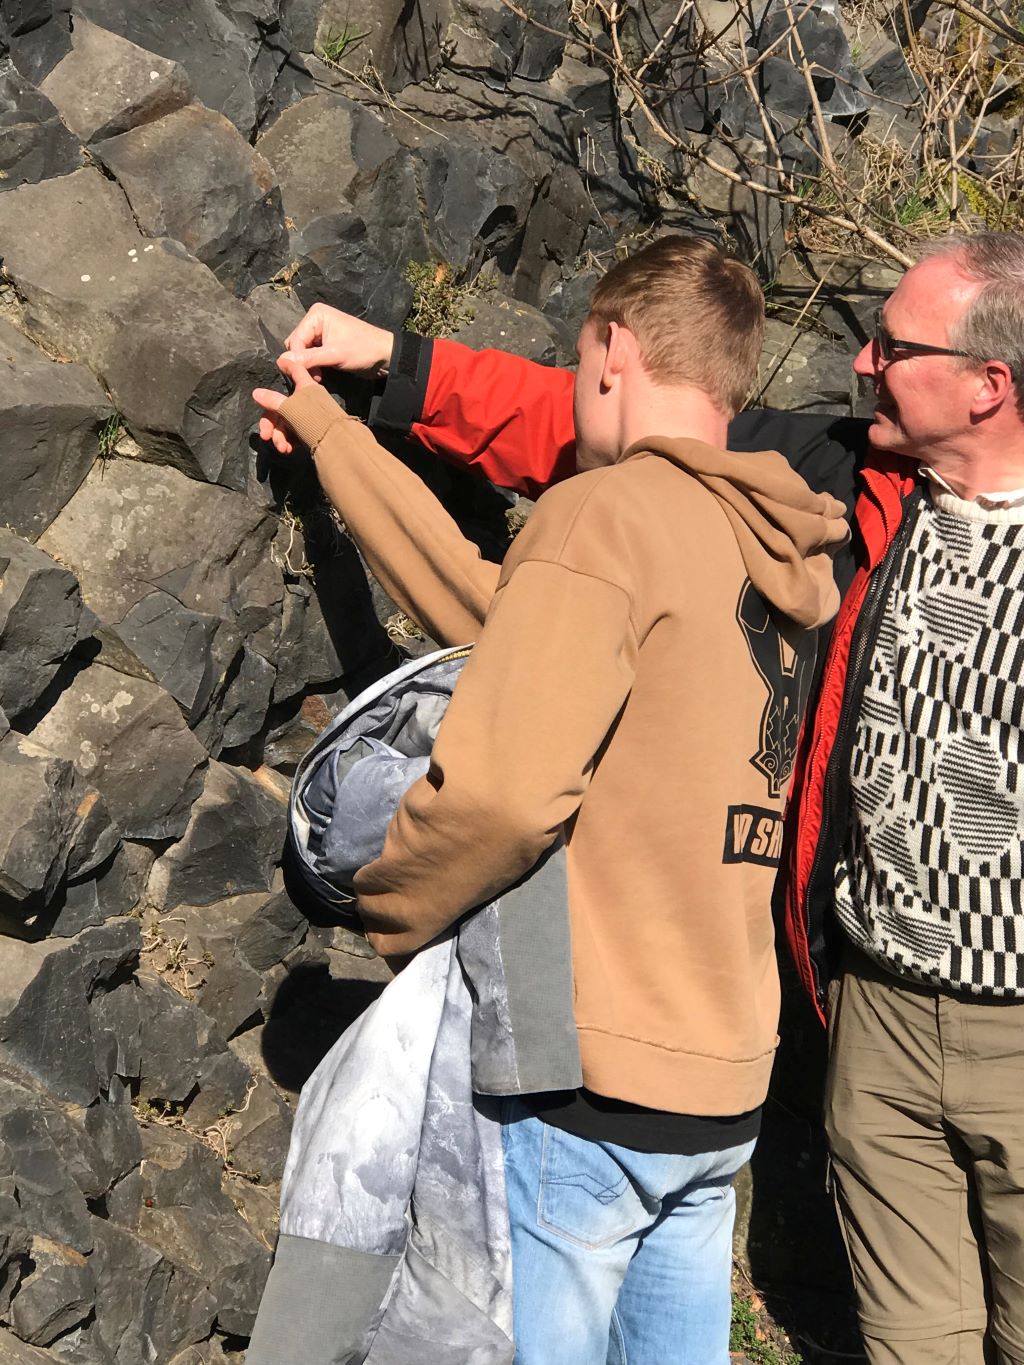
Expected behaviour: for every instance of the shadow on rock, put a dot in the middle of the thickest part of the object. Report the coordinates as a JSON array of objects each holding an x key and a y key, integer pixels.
[
  {"x": 311, "y": 1010},
  {"x": 794, "y": 1249}
]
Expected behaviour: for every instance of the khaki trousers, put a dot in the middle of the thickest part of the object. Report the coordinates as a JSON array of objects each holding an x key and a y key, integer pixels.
[{"x": 925, "y": 1120}]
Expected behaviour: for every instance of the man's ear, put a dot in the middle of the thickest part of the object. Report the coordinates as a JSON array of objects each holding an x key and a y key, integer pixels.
[
  {"x": 620, "y": 350},
  {"x": 995, "y": 387}
]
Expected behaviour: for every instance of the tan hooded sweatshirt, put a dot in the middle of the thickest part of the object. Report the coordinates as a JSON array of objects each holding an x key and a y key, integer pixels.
[{"x": 629, "y": 689}]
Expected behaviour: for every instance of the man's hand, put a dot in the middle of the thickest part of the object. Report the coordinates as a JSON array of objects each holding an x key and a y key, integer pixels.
[
  {"x": 327, "y": 337},
  {"x": 273, "y": 427}
]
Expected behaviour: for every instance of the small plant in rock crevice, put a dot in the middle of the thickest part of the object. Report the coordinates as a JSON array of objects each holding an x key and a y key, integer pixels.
[
  {"x": 216, "y": 1136},
  {"x": 334, "y": 46},
  {"x": 517, "y": 516},
  {"x": 400, "y": 629},
  {"x": 157, "y": 1111},
  {"x": 169, "y": 957},
  {"x": 753, "y": 1333},
  {"x": 110, "y": 433},
  {"x": 440, "y": 304},
  {"x": 291, "y": 519}
]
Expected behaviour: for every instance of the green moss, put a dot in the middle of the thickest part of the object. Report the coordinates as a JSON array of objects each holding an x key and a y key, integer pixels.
[
  {"x": 440, "y": 304},
  {"x": 997, "y": 215},
  {"x": 756, "y": 1336}
]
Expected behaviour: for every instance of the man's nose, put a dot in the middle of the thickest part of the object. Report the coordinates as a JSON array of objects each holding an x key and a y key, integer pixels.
[{"x": 865, "y": 362}]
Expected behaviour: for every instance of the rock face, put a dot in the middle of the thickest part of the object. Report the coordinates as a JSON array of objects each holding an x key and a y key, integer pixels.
[
  {"x": 191, "y": 175},
  {"x": 127, "y": 737},
  {"x": 201, "y": 615},
  {"x": 224, "y": 48},
  {"x": 318, "y": 148},
  {"x": 232, "y": 844},
  {"x": 181, "y": 614},
  {"x": 34, "y": 143},
  {"x": 52, "y": 419},
  {"x": 45, "y": 994},
  {"x": 40, "y": 622},
  {"x": 804, "y": 372},
  {"x": 38, "y": 806},
  {"x": 106, "y": 85},
  {"x": 179, "y": 356},
  {"x": 517, "y": 327}
]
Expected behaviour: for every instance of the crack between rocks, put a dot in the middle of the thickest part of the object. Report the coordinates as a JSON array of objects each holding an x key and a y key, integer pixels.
[
  {"x": 16, "y": 317},
  {"x": 107, "y": 174},
  {"x": 421, "y": 199}
]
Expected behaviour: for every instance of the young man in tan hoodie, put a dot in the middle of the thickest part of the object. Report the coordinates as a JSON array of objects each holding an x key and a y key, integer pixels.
[{"x": 641, "y": 662}]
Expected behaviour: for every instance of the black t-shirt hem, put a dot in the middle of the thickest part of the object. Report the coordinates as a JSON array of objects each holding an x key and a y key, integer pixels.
[{"x": 596, "y": 1118}]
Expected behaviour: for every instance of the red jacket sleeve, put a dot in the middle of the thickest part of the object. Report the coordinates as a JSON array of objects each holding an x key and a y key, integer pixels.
[{"x": 508, "y": 418}]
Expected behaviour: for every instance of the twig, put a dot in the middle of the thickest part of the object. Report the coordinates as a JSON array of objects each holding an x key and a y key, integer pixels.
[
  {"x": 376, "y": 87},
  {"x": 954, "y": 191},
  {"x": 795, "y": 328},
  {"x": 824, "y": 146},
  {"x": 771, "y": 142},
  {"x": 605, "y": 59},
  {"x": 997, "y": 26},
  {"x": 770, "y": 192},
  {"x": 877, "y": 220},
  {"x": 666, "y": 37}
]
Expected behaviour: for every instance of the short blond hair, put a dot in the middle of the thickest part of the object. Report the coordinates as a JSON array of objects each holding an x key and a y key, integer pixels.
[{"x": 697, "y": 314}]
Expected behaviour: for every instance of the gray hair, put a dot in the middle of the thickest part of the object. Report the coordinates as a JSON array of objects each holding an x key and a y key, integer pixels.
[{"x": 992, "y": 324}]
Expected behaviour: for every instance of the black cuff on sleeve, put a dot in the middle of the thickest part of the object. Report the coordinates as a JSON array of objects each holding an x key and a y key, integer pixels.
[{"x": 405, "y": 391}]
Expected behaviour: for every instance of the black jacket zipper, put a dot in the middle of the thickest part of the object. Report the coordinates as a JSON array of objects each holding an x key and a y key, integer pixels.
[{"x": 836, "y": 805}]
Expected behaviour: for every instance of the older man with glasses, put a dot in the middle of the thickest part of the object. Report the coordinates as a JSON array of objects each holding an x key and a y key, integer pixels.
[{"x": 907, "y": 817}]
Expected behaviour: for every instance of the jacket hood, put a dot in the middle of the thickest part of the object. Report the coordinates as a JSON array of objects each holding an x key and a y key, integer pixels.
[{"x": 786, "y": 533}]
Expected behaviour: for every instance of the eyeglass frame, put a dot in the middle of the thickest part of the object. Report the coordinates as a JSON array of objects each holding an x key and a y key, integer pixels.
[{"x": 885, "y": 341}]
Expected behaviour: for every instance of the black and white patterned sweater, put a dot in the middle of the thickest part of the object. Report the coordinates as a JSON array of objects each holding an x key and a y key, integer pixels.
[{"x": 930, "y": 881}]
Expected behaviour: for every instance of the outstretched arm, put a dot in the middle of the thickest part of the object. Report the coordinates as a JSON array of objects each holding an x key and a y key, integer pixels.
[
  {"x": 412, "y": 545},
  {"x": 512, "y": 420},
  {"x": 509, "y": 418}
]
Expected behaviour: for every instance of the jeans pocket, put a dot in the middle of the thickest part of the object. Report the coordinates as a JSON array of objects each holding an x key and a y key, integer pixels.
[{"x": 585, "y": 1196}]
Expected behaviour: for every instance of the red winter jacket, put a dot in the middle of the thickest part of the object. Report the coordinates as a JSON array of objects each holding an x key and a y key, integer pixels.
[
  {"x": 504, "y": 417},
  {"x": 818, "y": 808},
  {"x": 511, "y": 420}
]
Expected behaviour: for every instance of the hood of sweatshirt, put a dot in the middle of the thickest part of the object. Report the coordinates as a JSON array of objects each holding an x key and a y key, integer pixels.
[{"x": 787, "y": 534}]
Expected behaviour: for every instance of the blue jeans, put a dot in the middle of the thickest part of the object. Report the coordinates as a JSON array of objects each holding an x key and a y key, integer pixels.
[{"x": 618, "y": 1257}]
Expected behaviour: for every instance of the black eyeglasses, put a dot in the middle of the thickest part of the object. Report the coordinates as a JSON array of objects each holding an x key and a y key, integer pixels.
[{"x": 889, "y": 346}]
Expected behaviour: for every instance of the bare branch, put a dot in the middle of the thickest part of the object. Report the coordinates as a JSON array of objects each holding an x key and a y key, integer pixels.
[
  {"x": 994, "y": 25},
  {"x": 893, "y": 193},
  {"x": 825, "y": 147},
  {"x": 666, "y": 38}
]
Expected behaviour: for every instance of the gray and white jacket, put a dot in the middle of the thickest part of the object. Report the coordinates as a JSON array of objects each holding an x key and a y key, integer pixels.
[{"x": 394, "y": 1244}]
